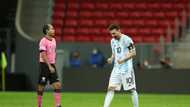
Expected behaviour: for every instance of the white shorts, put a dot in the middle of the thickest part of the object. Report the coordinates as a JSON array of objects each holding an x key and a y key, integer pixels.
[{"x": 118, "y": 79}]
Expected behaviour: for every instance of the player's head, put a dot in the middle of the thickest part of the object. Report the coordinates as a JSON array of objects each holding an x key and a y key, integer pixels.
[
  {"x": 114, "y": 30},
  {"x": 48, "y": 30}
]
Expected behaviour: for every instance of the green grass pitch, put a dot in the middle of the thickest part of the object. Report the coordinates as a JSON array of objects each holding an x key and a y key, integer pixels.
[{"x": 28, "y": 99}]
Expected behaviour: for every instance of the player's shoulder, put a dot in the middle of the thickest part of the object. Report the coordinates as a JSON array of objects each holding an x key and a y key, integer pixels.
[
  {"x": 42, "y": 39},
  {"x": 127, "y": 38},
  {"x": 112, "y": 40}
]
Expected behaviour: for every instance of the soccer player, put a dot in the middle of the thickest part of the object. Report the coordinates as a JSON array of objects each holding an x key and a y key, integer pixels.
[
  {"x": 123, "y": 50},
  {"x": 47, "y": 55}
]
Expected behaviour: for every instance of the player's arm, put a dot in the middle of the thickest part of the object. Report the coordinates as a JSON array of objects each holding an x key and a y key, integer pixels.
[
  {"x": 130, "y": 54},
  {"x": 43, "y": 49},
  {"x": 45, "y": 59},
  {"x": 110, "y": 59}
]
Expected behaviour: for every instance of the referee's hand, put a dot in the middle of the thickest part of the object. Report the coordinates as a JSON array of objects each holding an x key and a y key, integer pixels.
[{"x": 52, "y": 69}]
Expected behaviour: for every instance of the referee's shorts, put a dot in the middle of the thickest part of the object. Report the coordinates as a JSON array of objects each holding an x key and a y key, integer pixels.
[{"x": 45, "y": 75}]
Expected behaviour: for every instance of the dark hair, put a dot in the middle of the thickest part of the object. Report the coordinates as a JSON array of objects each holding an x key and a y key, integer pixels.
[
  {"x": 113, "y": 26},
  {"x": 45, "y": 28}
]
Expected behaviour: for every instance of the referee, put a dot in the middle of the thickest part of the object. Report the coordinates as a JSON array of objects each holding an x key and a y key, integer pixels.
[{"x": 47, "y": 71}]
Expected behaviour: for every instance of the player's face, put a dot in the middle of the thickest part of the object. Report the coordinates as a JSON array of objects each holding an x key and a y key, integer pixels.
[
  {"x": 115, "y": 33},
  {"x": 51, "y": 31}
]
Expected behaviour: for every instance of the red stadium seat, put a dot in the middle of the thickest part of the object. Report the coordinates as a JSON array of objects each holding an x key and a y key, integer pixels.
[
  {"x": 116, "y": 5},
  {"x": 57, "y": 23},
  {"x": 58, "y": 38},
  {"x": 149, "y": 39},
  {"x": 69, "y": 30},
  {"x": 137, "y": 39},
  {"x": 71, "y": 22},
  {"x": 122, "y": 14},
  {"x": 58, "y": 15},
  {"x": 97, "y": 14},
  {"x": 152, "y": 23},
  {"x": 86, "y": 22},
  {"x": 72, "y": 13},
  {"x": 94, "y": 31},
  {"x": 102, "y": 5},
  {"x": 83, "y": 38},
  {"x": 101, "y": 39},
  {"x": 101, "y": 22},
  {"x": 73, "y": 5},
  {"x": 127, "y": 6},
  {"x": 57, "y": 29},
  {"x": 86, "y": 14},
  {"x": 69, "y": 38},
  {"x": 127, "y": 23},
  {"x": 144, "y": 31},
  {"x": 83, "y": 31},
  {"x": 144, "y": 20},
  {"x": 158, "y": 31},
  {"x": 109, "y": 14},
  {"x": 87, "y": 6},
  {"x": 59, "y": 7}
]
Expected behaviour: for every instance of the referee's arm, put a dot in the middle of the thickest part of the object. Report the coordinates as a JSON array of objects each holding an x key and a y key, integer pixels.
[{"x": 44, "y": 57}]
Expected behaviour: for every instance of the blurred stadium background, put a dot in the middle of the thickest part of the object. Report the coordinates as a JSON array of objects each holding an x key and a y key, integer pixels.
[{"x": 160, "y": 29}]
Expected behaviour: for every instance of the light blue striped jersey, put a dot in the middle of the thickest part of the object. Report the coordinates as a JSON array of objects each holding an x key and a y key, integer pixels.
[{"x": 119, "y": 49}]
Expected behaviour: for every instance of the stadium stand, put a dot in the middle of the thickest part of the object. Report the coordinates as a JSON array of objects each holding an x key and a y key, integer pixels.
[{"x": 144, "y": 20}]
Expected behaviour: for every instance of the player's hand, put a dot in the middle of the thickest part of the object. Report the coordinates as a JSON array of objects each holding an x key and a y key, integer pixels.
[
  {"x": 52, "y": 69},
  {"x": 110, "y": 60},
  {"x": 120, "y": 61}
]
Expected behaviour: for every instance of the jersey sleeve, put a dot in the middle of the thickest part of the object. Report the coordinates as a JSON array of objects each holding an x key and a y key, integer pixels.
[
  {"x": 42, "y": 45},
  {"x": 112, "y": 47},
  {"x": 129, "y": 43}
]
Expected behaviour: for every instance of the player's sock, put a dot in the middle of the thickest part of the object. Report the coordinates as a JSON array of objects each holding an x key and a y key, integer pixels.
[
  {"x": 108, "y": 98},
  {"x": 57, "y": 96},
  {"x": 39, "y": 98},
  {"x": 135, "y": 98},
  {"x": 39, "y": 101}
]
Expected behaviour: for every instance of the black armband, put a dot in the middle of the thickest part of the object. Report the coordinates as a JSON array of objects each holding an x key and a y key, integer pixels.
[{"x": 131, "y": 46}]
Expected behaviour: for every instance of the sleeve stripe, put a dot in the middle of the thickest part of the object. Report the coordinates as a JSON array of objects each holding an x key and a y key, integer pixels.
[{"x": 42, "y": 50}]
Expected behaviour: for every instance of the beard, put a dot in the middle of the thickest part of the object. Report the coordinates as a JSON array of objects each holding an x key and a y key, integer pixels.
[{"x": 116, "y": 37}]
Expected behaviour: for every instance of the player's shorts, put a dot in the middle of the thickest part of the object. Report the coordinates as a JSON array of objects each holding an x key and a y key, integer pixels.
[
  {"x": 118, "y": 79},
  {"x": 45, "y": 74}
]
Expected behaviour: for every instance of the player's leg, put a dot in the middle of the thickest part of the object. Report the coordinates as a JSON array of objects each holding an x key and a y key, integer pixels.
[
  {"x": 54, "y": 81},
  {"x": 42, "y": 80},
  {"x": 134, "y": 93},
  {"x": 135, "y": 99},
  {"x": 109, "y": 96},
  {"x": 40, "y": 90},
  {"x": 114, "y": 84},
  {"x": 128, "y": 81},
  {"x": 57, "y": 93}
]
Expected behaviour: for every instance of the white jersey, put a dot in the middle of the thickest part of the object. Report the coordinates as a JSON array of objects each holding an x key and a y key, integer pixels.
[{"x": 119, "y": 49}]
